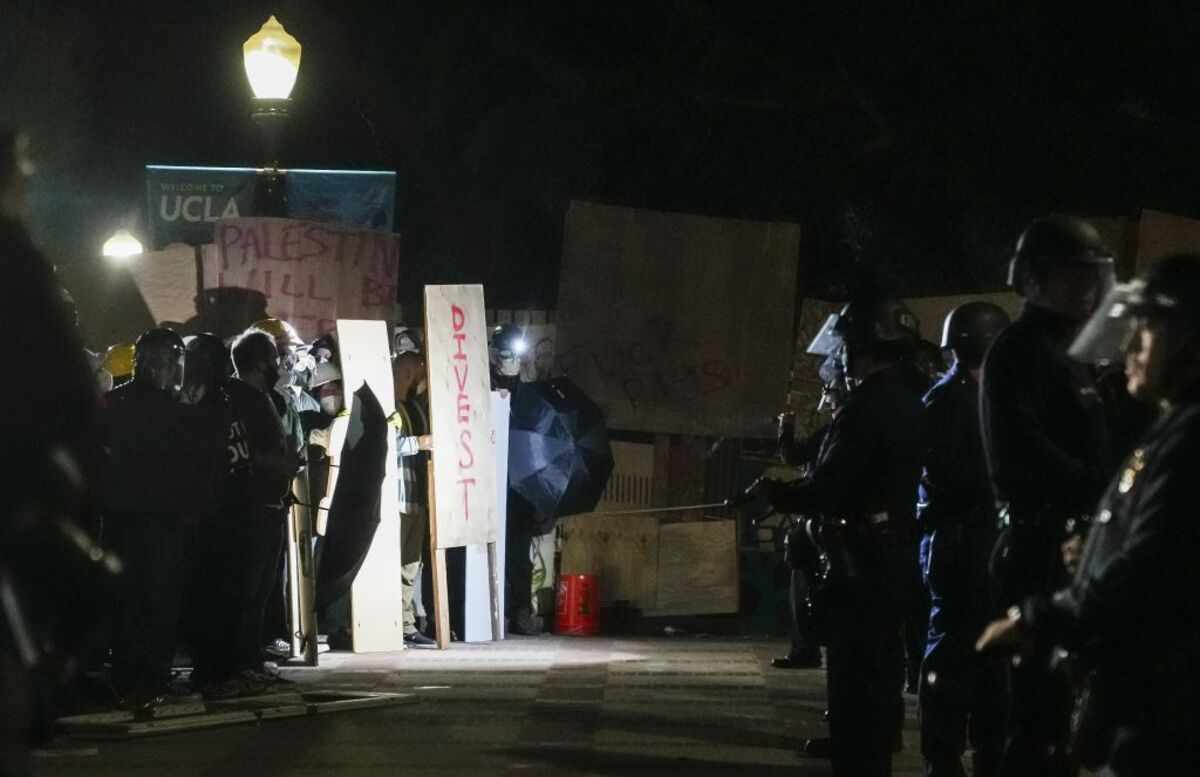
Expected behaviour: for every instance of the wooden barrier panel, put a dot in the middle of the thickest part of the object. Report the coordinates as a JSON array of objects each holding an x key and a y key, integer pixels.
[
  {"x": 376, "y": 623},
  {"x": 675, "y": 323},
  {"x": 460, "y": 416}
]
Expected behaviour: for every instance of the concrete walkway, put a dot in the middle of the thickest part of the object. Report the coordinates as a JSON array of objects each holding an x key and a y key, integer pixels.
[{"x": 527, "y": 706}]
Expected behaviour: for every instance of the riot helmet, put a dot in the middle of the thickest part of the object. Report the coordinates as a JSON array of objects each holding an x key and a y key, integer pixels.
[
  {"x": 1065, "y": 246},
  {"x": 882, "y": 325},
  {"x": 158, "y": 359},
  {"x": 970, "y": 328},
  {"x": 206, "y": 362},
  {"x": 1166, "y": 299},
  {"x": 506, "y": 346}
]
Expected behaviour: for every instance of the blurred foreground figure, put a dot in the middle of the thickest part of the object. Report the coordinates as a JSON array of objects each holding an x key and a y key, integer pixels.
[
  {"x": 959, "y": 698},
  {"x": 51, "y": 576},
  {"x": 1049, "y": 452},
  {"x": 1132, "y": 613},
  {"x": 862, "y": 487}
]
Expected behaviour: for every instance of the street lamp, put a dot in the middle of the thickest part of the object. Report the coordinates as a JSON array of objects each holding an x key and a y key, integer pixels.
[
  {"x": 272, "y": 60},
  {"x": 121, "y": 245}
]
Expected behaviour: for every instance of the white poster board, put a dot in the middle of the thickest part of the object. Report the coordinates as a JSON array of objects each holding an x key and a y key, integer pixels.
[
  {"x": 460, "y": 410},
  {"x": 478, "y": 618},
  {"x": 375, "y": 612}
]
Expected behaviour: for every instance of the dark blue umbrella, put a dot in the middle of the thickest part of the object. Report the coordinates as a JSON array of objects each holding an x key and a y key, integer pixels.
[{"x": 559, "y": 458}]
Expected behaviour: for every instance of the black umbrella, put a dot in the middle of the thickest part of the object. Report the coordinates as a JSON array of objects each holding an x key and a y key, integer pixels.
[{"x": 559, "y": 458}]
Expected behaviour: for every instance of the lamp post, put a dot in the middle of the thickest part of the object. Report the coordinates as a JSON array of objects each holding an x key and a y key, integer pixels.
[{"x": 272, "y": 60}]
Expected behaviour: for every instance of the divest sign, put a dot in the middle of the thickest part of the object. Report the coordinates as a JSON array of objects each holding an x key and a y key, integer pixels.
[
  {"x": 460, "y": 409},
  {"x": 185, "y": 202}
]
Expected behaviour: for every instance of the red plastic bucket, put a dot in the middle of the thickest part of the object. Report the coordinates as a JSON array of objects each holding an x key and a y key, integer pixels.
[{"x": 577, "y": 609}]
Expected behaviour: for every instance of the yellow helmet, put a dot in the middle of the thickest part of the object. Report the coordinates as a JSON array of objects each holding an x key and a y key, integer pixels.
[
  {"x": 118, "y": 360},
  {"x": 281, "y": 330}
]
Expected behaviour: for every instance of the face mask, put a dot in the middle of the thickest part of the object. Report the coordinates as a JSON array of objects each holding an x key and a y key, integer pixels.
[
  {"x": 332, "y": 404},
  {"x": 508, "y": 364}
]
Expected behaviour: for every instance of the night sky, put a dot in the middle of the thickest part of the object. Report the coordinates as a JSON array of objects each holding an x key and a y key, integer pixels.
[{"x": 912, "y": 138}]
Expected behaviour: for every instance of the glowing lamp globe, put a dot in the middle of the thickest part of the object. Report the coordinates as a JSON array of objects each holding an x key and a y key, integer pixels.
[
  {"x": 121, "y": 245},
  {"x": 272, "y": 59}
]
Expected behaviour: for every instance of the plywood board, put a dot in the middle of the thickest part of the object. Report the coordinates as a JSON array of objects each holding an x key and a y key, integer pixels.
[
  {"x": 621, "y": 550},
  {"x": 376, "y": 623},
  {"x": 696, "y": 315},
  {"x": 460, "y": 416},
  {"x": 697, "y": 568},
  {"x": 1161, "y": 234},
  {"x": 168, "y": 283}
]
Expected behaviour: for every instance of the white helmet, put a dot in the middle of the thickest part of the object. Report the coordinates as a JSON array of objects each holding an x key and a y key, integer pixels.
[{"x": 322, "y": 373}]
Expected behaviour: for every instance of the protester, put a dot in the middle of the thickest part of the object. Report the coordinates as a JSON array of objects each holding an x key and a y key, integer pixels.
[
  {"x": 1132, "y": 613},
  {"x": 506, "y": 345},
  {"x": 958, "y": 697},
  {"x": 263, "y": 461},
  {"x": 412, "y": 450},
  {"x": 862, "y": 486},
  {"x": 1049, "y": 453}
]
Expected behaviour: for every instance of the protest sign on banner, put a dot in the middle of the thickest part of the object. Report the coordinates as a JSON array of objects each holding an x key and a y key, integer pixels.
[
  {"x": 304, "y": 272},
  {"x": 460, "y": 410}
]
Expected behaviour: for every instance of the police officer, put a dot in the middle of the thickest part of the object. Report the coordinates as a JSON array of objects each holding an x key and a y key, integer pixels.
[
  {"x": 146, "y": 493},
  {"x": 805, "y": 651},
  {"x": 958, "y": 697},
  {"x": 1133, "y": 609},
  {"x": 863, "y": 486},
  {"x": 1047, "y": 440}
]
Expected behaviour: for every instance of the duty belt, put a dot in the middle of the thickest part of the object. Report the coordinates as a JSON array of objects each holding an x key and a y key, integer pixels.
[{"x": 1071, "y": 524}]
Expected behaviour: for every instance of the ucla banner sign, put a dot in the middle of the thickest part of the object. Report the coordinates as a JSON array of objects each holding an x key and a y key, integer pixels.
[{"x": 183, "y": 203}]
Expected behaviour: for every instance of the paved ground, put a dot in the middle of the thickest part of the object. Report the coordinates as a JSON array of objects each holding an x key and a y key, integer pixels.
[{"x": 532, "y": 706}]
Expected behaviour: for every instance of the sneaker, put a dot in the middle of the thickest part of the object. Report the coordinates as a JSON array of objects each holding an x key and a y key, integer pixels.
[
  {"x": 280, "y": 648},
  {"x": 417, "y": 639}
]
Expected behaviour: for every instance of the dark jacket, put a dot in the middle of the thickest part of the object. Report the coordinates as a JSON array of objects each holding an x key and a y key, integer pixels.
[
  {"x": 870, "y": 460},
  {"x": 1044, "y": 426},
  {"x": 162, "y": 456},
  {"x": 954, "y": 482},
  {"x": 1133, "y": 610}
]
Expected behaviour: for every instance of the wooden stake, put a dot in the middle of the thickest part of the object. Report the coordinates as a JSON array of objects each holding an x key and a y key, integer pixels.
[
  {"x": 494, "y": 591},
  {"x": 437, "y": 560}
]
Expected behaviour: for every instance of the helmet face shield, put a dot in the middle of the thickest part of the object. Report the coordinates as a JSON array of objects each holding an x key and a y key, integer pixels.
[
  {"x": 828, "y": 340},
  {"x": 1106, "y": 335}
]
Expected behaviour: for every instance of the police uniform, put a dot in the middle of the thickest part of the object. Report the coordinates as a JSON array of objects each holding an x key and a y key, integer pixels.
[
  {"x": 1133, "y": 610},
  {"x": 160, "y": 457},
  {"x": 1047, "y": 441},
  {"x": 865, "y": 480},
  {"x": 959, "y": 696}
]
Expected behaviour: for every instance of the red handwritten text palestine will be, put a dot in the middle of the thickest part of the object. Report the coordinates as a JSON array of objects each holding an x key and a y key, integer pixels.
[{"x": 269, "y": 256}]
